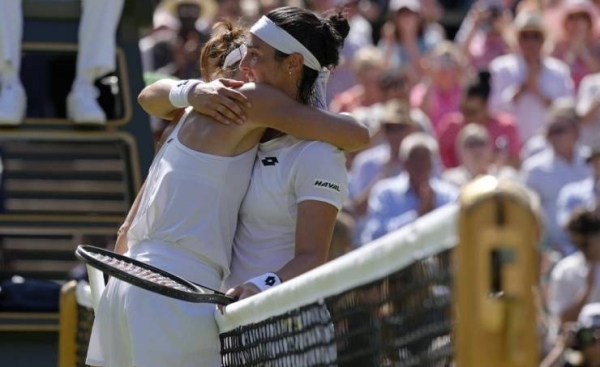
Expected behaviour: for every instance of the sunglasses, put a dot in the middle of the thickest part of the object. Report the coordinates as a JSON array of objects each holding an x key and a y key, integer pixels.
[
  {"x": 393, "y": 84},
  {"x": 576, "y": 16},
  {"x": 396, "y": 127},
  {"x": 531, "y": 36},
  {"x": 559, "y": 130},
  {"x": 470, "y": 111},
  {"x": 475, "y": 143}
]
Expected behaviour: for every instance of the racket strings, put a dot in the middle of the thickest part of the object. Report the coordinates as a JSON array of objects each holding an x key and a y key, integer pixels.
[{"x": 143, "y": 273}]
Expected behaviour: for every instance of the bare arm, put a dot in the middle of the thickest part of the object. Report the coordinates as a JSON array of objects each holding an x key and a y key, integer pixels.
[
  {"x": 154, "y": 99},
  {"x": 272, "y": 108},
  {"x": 121, "y": 244},
  {"x": 314, "y": 228}
]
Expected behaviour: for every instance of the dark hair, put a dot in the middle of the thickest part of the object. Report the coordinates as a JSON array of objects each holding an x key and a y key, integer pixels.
[
  {"x": 392, "y": 78},
  {"x": 480, "y": 86},
  {"x": 225, "y": 38},
  {"x": 582, "y": 224},
  {"x": 322, "y": 37}
]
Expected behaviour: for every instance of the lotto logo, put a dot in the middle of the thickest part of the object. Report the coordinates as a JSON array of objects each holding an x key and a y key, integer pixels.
[
  {"x": 270, "y": 281},
  {"x": 269, "y": 161}
]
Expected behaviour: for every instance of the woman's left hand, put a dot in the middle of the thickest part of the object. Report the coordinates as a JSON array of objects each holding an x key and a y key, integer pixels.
[{"x": 220, "y": 100}]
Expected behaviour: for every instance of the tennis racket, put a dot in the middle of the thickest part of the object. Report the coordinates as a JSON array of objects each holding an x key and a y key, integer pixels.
[{"x": 149, "y": 277}]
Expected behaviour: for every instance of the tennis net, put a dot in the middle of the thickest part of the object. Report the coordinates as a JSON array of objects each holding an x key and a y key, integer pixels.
[{"x": 385, "y": 304}]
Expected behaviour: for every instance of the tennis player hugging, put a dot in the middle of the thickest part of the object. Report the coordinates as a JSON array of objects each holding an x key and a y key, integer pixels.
[{"x": 250, "y": 204}]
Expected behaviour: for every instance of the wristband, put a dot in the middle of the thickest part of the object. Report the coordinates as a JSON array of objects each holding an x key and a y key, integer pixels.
[
  {"x": 178, "y": 95},
  {"x": 265, "y": 281}
]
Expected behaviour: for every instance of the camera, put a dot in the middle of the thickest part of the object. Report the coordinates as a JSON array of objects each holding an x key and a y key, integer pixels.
[
  {"x": 585, "y": 337},
  {"x": 495, "y": 11}
]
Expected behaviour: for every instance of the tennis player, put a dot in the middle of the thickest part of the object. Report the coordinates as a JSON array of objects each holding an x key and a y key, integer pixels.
[
  {"x": 287, "y": 217},
  {"x": 185, "y": 216}
]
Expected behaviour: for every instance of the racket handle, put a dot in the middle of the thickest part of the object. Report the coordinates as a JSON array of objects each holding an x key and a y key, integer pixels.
[{"x": 97, "y": 285}]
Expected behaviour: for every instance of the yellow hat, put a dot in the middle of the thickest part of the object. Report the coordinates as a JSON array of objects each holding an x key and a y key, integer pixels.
[
  {"x": 208, "y": 8},
  {"x": 396, "y": 113}
]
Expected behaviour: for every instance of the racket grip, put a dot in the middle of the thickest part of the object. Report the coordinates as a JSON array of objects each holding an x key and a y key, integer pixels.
[{"x": 97, "y": 285}]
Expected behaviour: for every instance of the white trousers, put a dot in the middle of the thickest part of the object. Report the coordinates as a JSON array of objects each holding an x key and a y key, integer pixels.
[{"x": 97, "y": 37}]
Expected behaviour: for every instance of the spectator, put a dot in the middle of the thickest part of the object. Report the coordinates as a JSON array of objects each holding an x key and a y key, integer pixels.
[
  {"x": 578, "y": 45},
  {"x": 473, "y": 109},
  {"x": 381, "y": 161},
  {"x": 507, "y": 7},
  {"x": 526, "y": 83},
  {"x": 578, "y": 344},
  {"x": 394, "y": 85},
  {"x": 368, "y": 64},
  {"x": 486, "y": 39},
  {"x": 440, "y": 93},
  {"x": 227, "y": 10},
  {"x": 360, "y": 36},
  {"x": 397, "y": 201},
  {"x": 405, "y": 36},
  {"x": 575, "y": 280},
  {"x": 584, "y": 193},
  {"x": 588, "y": 107},
  {"x": 432, "y": 12},
  {"x": 96, "y": 58},
  {"x": 192, "y": 34},
  {"x": 180, "y": 29},
  {"x": 547, "y": 172},
  {"x": 475, "y": 150}
]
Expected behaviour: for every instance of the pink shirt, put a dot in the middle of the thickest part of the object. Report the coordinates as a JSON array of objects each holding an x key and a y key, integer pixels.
[
  {"x": 440, "y": 102},
  {"x": 579, "y": 69},
  {"x": 501, "y": 126}
]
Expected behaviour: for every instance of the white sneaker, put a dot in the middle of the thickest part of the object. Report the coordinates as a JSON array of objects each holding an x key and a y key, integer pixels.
[
  {"x": 83, "y": 107},
  {"x": 13, "y": 103}
]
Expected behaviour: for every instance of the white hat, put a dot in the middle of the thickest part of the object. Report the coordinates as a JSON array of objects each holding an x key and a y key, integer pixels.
[
  {"x": 412, "y": 5},
  {"x": 589, "y": 315},
  {"x": 528, "y": 20}
]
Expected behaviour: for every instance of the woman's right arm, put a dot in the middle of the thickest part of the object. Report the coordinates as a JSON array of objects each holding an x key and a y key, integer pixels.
[
  {"x": 121, "y": 244},
  {"x": 274, "y": 109}
]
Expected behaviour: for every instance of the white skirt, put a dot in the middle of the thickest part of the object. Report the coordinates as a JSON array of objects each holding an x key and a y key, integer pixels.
[{"x": 137, "y": 328}]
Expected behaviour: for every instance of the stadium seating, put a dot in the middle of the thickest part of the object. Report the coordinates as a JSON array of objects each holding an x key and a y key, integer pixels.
[{"x": 62, "y": 183}]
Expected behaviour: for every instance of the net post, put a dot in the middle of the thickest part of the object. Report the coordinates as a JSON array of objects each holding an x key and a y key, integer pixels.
[
  {"x": 67, "y": 325},
  {"x": 496, "y": 272}
]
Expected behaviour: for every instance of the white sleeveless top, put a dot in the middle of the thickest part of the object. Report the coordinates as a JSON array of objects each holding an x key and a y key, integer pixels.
[{"x": 189, "y": 208}]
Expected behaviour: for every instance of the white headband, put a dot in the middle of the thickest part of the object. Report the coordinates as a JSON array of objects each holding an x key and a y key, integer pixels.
[
  {"x": 235, "y": 56},
  {"x": 279, "y": 39}
]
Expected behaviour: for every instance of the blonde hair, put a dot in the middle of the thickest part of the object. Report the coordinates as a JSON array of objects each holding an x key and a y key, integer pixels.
[
  {"x": 368, "y": 57},
  {"x": 448, "y": 48}
]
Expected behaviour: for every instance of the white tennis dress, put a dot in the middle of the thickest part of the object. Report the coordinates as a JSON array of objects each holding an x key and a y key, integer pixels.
[{"x": 185, "y": 224}]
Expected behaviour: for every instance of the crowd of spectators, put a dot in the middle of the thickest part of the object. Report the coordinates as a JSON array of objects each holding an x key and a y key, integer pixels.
[{"x": 514, "y": 92}]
